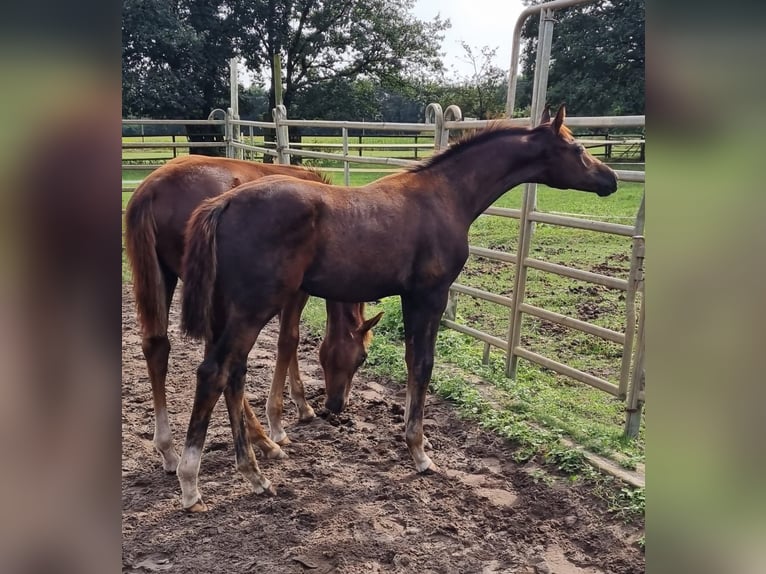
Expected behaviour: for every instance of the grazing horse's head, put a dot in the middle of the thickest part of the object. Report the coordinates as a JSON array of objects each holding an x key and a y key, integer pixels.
[
  {"x": 567, "y": 163},
  {"x": 342, "y": 352}
]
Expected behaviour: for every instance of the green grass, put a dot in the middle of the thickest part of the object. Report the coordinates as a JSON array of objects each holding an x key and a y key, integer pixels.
[{"x": 538, "y": 407}]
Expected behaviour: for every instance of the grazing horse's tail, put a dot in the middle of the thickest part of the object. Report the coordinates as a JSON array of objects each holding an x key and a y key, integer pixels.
[
  {"x": 141, "y": 247},
  {"x": 199, "y": 265}
]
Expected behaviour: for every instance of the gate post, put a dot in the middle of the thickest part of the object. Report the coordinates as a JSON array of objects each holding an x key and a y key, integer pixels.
[
  {"x": 234, "y": 129},
  {"x": 283, "y": 139}
]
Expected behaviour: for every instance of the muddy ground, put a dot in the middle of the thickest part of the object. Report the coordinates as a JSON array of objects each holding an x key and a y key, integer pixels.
[{"x": 348, "y": 499}]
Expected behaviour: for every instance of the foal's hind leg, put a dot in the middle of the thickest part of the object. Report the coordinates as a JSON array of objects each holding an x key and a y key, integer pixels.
[
  {"x": 156, "y": 348},
  {"x": 235, "y": 396},
  {"x": 287, "y": 354},
  {"x": 257, "y": 434},
  {"x": 224, "y": 366}
]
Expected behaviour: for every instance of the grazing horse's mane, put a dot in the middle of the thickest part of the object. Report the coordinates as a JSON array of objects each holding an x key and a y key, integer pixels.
[
  {"x": 493, "y": 130},
  {"x": 323, "y": 176}
]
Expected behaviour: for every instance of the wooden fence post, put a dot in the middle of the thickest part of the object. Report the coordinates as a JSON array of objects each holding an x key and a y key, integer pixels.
[{"x": 283, "y": 139}]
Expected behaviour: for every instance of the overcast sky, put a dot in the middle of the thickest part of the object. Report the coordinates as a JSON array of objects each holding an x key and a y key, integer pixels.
[{"x": 477, "y": 22}]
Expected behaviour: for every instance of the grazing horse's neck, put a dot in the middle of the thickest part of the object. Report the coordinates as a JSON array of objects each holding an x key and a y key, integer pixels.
[{"x": 477, "y": 174}]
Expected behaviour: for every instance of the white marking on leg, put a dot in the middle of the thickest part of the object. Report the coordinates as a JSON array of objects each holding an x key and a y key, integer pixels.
[
  {"x": 274, "y": 415},
  {"x": 298, "y": 395},
  {"x": 188, "y": 470},
  {"x": 163, "y": 441},
  {"x": 249, "y": 469}
]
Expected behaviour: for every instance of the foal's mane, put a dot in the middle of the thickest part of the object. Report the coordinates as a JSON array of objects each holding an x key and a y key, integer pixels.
[{"x": 493, "y": 130}]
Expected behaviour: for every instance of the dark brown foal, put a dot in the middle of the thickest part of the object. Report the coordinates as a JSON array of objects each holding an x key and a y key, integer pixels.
[
  {"x": 252, "y": 249},
  {"x": 155, "y": 220}
]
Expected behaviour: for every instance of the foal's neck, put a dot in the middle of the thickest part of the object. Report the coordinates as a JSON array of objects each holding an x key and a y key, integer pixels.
[{"x": 477, "y": 176}]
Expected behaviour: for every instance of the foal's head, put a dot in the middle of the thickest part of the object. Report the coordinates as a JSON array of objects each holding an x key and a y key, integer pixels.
[
  {"x": 343, "y": 351},
  {"x": 567, "y": 163}
]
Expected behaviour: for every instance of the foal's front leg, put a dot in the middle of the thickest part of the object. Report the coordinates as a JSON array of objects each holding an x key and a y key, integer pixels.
[
  {"x": 287, "y": 358},
  {"x": 421, "y": 324}
]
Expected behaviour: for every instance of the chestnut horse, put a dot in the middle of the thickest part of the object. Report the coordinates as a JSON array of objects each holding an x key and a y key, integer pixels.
[
  {"x": 406, "y": 234},
  {"x": 155, "y": 220}
]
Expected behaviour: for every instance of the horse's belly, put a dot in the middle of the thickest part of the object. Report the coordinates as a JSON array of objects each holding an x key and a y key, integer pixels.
[{"x": 351, "y": 287}]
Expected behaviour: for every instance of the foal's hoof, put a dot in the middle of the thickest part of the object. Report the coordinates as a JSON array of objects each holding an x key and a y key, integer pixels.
[
  {"x": 308, "y": 416},
  {"x": 426, "y": 466},
  {"x": 283, "y": 440},
  {"x": 266, "y": 490},
  {"x": 275, "y": 454},
  {"x": 169, "y": 462},
  {"x": 198, "y": 506}
]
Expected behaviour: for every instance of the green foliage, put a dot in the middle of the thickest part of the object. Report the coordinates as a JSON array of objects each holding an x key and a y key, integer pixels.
[
  {"x": 597, "y": 56},
  {"x": 628, "y": 503},
  {"x": 391, "y": 325},
  {"x": 325, "y": 41},
  {"x": 175, "y": 54},
  {"x": 482, "y": 93},
  {"x": 175, "y": 57}
]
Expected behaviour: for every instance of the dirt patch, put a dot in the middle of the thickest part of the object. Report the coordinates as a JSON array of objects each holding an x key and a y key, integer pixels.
[{"x": 348, "y": 499}]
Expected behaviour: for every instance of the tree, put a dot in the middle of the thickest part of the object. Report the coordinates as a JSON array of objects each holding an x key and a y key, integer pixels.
[
  {"x": 175, "y": 61},
  {"x": 175, "y": 57},
  {"x": 482, "y": 93},
  {"x": 597, "y": 59},
  {"x": 336, "y": 40}
]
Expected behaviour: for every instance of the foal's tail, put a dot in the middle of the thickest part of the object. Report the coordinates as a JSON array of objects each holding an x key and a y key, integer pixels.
[
  {"x": 141, "y": 247},
  {"x": 199, "y": 265}
]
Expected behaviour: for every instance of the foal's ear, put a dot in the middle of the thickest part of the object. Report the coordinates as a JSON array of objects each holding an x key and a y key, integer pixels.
[
  {"x": 370, "y": 323},
  {"x": 546, "y": 115},
  {"x": 559, "y": 121}
]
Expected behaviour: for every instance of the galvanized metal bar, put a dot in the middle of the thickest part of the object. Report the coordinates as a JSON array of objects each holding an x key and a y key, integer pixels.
[
  {"x": 383, "y": 126},
  {"x": 362, "y": 146},
  {"x": 482, "y": 294},
  {"x": 353, "y": 159},
  {"x": 435, "y": 117},
  {"x": 255, "y": 148},
  {"x": 140, "y": 145},
  {"x": 481, "y": 124},
  {"x": 635, "y": 277},
  {"x": 476, "y": 334},
  {"x": 566, "y": 370},
  {"x": 529, "y": 200},
  {"x": 254, "y": 124},
  {"x": 577, "y": 223},
  {"x": 585, "y": 327},
  {"x": 597, "y": 278},
  {"x": 493, "y": 254},
  {"x": 452, "y": 114},
  {"x": 503, "y": 212},
  {"x": 139, "y": 166},
  {"x": 346, "y": 174},
  {"x": 630, "y": 175},
  {"x": 148, "y": 122},
  {"x": 635, "y": 401},
  {"x": 516, "y": 45},
  {"x": 606, "y": 121}
]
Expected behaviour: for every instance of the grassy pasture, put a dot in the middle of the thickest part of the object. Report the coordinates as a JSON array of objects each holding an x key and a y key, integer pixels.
[{"x": 539, "y": 406}]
